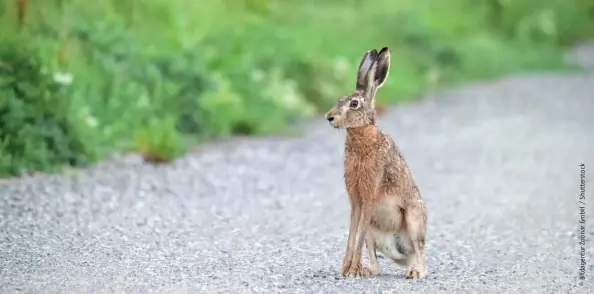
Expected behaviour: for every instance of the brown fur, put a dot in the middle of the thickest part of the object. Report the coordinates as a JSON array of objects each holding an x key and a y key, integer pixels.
[{"x": 387, "y": 210}]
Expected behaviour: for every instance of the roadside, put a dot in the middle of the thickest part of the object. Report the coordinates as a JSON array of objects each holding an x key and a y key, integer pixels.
[{"x": 497, "y": 162}]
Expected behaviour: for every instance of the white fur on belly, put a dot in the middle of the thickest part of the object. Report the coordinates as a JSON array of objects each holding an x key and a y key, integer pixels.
[{"x": 388, "y": 244}]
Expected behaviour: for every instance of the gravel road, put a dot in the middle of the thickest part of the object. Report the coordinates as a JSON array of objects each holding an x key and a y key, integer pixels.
[{"x": 497, "y": 163}]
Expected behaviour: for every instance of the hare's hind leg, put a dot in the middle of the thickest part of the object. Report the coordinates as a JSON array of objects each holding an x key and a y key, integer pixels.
[{"x": 415, "y": 220}]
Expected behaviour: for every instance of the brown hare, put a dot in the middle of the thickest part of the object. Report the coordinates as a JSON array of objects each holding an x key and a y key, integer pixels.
[{"x": 387, "y": 210}]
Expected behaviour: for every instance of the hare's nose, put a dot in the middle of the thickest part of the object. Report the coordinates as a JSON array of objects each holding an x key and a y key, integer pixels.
[{"x": 330, "y": 118}]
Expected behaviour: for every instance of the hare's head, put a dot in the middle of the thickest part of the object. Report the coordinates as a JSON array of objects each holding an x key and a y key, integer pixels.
[{"x": 358, "y": 108}]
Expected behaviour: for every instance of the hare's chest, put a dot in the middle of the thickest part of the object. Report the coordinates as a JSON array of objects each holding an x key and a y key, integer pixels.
[{"x": 361, "y": 175}]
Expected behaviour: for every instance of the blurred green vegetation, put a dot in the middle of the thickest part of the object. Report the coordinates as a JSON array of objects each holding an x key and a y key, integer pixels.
[{"x": 80, "y": 79}]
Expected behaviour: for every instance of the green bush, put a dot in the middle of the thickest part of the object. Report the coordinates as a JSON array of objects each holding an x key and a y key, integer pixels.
[
  {"x": 159, "y": 141},
  {"x": 36, "y": 130},
  {"x": 151, "y": 75},
  {"x": 553, "y": 21}
]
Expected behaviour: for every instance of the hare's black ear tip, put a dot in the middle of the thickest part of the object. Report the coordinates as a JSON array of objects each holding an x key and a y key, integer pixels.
[
  {"x": 384, "y": 50},
  {"x": 372, "y": 53}
]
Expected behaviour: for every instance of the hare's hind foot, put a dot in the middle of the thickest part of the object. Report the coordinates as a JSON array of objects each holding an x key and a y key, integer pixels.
[
  {"x": 416, "y": 220},
  {"x": 416, "y": 265},
  {"x": 413, "y": 273}
]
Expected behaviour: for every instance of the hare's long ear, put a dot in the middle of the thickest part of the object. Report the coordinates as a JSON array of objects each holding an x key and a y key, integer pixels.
[
  {"x": 364, "y": 66},
  {"x": 377, "y": 76},
  {"x": 382, "y": 68}
]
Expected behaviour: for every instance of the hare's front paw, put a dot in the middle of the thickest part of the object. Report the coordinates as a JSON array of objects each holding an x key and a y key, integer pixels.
[
  {"x": 358, "y": 271},
  {"x": 413, "y": 273},
  {"x": 346, "y": 267},
  {"x": 374, "y": 271}
]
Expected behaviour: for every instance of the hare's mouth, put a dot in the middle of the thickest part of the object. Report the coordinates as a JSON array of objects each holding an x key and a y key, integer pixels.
[{"x": 335, "y": 122}]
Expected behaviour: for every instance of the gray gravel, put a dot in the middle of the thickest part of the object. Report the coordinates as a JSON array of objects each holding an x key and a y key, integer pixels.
[{"x": 497, "y": 163}]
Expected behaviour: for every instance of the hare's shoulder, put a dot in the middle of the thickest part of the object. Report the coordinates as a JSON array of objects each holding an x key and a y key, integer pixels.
[
  {"x": 395, "y": 165},
  {"x": 387, "y": 146},
  {"x": 385, "y": 138}
]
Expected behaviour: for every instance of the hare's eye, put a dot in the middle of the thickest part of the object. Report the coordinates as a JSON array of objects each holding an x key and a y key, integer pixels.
[{"x": 354, "y": 103}]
